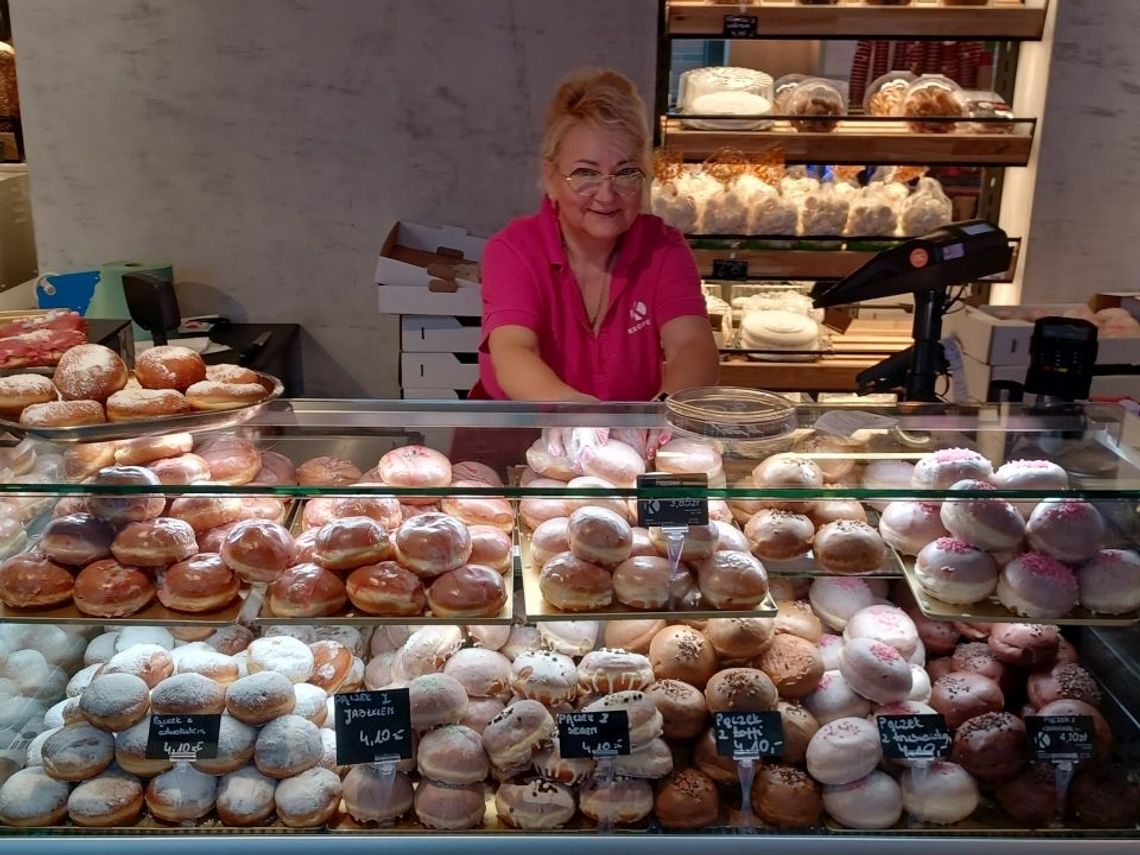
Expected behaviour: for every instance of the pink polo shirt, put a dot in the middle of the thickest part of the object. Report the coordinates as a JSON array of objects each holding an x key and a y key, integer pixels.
[{"x": 527, "y": 282}]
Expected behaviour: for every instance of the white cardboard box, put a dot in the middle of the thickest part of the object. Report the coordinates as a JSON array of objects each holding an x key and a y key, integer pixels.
[
  {"x": 439, "y": 334},
  {"x": 406, "y": 284},
  {"x": 438, "y": 370}
]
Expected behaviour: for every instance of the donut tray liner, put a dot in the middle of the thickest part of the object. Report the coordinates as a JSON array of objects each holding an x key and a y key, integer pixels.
[
  {"x": 190, "y": 422},
  {"x": 538, "y": 609}
]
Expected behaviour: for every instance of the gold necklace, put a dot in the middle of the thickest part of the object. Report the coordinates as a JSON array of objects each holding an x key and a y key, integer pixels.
[{"x": 592, "y": 317}]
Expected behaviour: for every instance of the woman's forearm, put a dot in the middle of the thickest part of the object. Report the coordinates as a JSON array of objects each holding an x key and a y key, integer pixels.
[
  {"x": 524, "y": 376},
  {"x": 696, "y": 363}
]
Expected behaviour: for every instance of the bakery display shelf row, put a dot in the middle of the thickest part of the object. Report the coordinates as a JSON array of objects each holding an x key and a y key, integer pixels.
[
  {"x": 154, "y": 614},
  {"x": 858, "y": 141},
  {"x": 1012, "y": 20},
  {"x": 809, "y": 259}
]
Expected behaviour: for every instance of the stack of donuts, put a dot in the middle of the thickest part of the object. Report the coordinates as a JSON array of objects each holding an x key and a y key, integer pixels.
[
  {"x": 385, "y": 556},
  {"x": 92, "y": 385}
]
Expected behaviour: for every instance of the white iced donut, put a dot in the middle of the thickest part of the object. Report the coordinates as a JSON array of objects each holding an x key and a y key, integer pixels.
[
  {"x": 886, "y": 623},
  {"x": 942, "y": 469},
  {"x": 1037, "y": 586},
  {"x": 834, "y": 698},
  {"x": 909, "y": 526},
  {"x": 873, "y": 802},
  {"x": 843, "y": 751},
  {"x": 887, "y": 475},
  {"x": 1110, "y": 582},
  {"x": 1066, "y": 529},
  {"x": 875, "y": 670},
  {"x": 944, "y": 794},
  {"x": 1030, "y": 475},
  {"x": 835, "y": 599},
  {"x": 955, "y": 572},
  {"x": 989, "y": 524}
]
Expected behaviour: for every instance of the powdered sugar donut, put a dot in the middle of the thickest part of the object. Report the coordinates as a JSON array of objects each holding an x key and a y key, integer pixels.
[
  {"x": 1069, "y": 530},
  {"x": 990, "y": 524},
  {"x": 1037, "y": 586},
  {"x": 955, "y": 572},
  {"x": 415, "y": 466},
  {"x": 909, "y": 526},
  {"x": 1030, "y": 475},
  {"x": 614, "y": 461},
  {"x": 287, "y": 746},
  {"x": 1110, "y": 582},
  {"x": 235, "y": 748},
  {"x": 283, "y": 654},
  {"x": 599, "y": 535},
  {"x": 942, "y": 469}
]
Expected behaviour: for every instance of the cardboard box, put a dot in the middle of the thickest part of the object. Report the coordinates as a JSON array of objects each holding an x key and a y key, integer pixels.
[
  {"x": 433, "y": 394},
  {"x": 439, "y": 334},
  {"x": 421, "y": 271},
  {"x": 438, "y": 370}
]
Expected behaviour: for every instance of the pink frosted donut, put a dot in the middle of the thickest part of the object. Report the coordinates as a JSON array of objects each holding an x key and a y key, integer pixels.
[
  {"x": 615, "y": 462},
  {"x": 885, "y": 623},
  {"x": 944, "y": 468},
  {"x": 536, "y": 510},
  {"x": 909, "y": 526},
  {"x": 318, "y": 512},
  {"x": 491, "y": 547},
  {"x": 479, "y": 510},
  {"x": 687, "y": 455},
  {"x": 590, "y": 482},
  {"x": 834, "y": 698},
  {"x": 989, "y": 524},
  {"x": 1066, "y": 529},
  {"x": 1110, "y": 582},
  {"x": 472, "y": 470},
  {"x": 276, "y": 470},
  {"x": 183, "y": 469},
  {"x": 415, "y": 466},
  {"x": 1030, "y": 475},
  {"x": 1037, "y": 586},
  {"x": 836, "y": 598},
  {"x": 955, "y": 572},
  {"x": 432, "y": 544},
  {"x": 875, "y": 670},
  {"x": 550, "y": 538},
  {"x": 326, "y": 472}
]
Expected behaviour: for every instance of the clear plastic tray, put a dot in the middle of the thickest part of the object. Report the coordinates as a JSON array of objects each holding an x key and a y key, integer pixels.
[{"x": 732, "y": 414}]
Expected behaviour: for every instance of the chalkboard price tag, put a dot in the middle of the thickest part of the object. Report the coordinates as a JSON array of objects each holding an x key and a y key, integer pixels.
[
  {"x": 372, "y": 727},
  {"x": 593, "y": 734},
  {"x": 914, "y": 737},
  {"x": 1058, "y": 738},
  {"x": 729, "y": 268},
  {"x": 740, "y": 26},
  {"x": 183, "y": 737},
  {"x": 748, "y": 735},
  {"x": 666, "y": 512}
]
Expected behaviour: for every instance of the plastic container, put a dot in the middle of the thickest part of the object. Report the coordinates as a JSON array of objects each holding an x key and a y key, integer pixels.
[
  {"x": 741, "y": 422},
  {"x": 742, "y": 95},
  {"x": 782, "y": 90},
  {"x": 932, "y": 95},
  {"x": 816, "y": 97},
  {"x": 925, "y": 210},
  {"x": 885, "y": 94}
]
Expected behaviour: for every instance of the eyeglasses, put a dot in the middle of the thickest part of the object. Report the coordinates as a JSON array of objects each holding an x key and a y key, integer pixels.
[{"x": 587, "y": 182}]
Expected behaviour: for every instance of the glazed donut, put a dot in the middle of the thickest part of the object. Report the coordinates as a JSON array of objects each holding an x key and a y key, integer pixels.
[
  {"x": 778, "y": 535},
  {"x": 29, "y": 580},
  {"x": 229, "y": 373},
  {"x": 648, "y": 582},
  {"x": 599, "y": 535},
  {"x": 89, "y": 372},
  {"x": 944, "y": 468},
  {"x": 620, "y": 800},
  {"x": 306, "y": 590},
  {"x": 491, "y": 547},
  {"x": 574, "y": 585},
  {"x": 181, "y": 795},
  {"x": 732, "y": 581},
  {"x": 834, "y": 468},
  {"x": 232, "y": 460},
  {"x": 147, "y": 449},
  {"x": 788, "y": 471},
  {"x": 183, "y": 469},
  {"x": 309, "y": 799},
  {"x": 276, "y": 470},
  {"x": 63, "y": 414},
  {"x": 131, "y": 404},
  {"x": 535, "y": 805},
  {"x": 372, "y": 795},
  {"x": 84, "y": 460},
  {"x": 549, "y": 538},
  {"x": 545, "y": 676},
  {"x": 187, "y": 694},
  {"x": 386, "y": 589},
  {"x": 327, "y": 472},
  {"x": 849, "y": 546},
  {"x": 351, "y": 542},
  {"x": 472, "y": 470},
  {"x": 230, "y": 640},
  {"x": 468, "y": 591},
  {"x": 169, "y": 367},
  {"x": 259, "y": 698},
  {"x": 154, "y": 543},
  {"x": 832, "y": 510},
  {"x": 77, "y": 539},
  {"x": 107, "y": 589},
  {"x": 479, "y": 510},
  {"x": 203, "y": 512},
  {"x": 436, "y": 699},
  {"x": 698, "y": 543},
  {"x": 13, "y": 536},
  {"x": 212, "y": 539},
  {"x": 258, "y": 550},
  {"x": 588, "y": 482},
  {"x": 415, "y": 466},
  {"x": 211, "y": 395},
  {"x": 124, "y": 509},
  {"x": 614, "y": 461},
  {"x": 262, "y": 508},
  {"x": 432, "y": 543},
  {"x": 384, "y": 509},
  {"x": 680, "y": 455},
  {"x": 200, "y": 584},
  {"x": 20, "y": 391},
  {"x": 609, "y": 671}
]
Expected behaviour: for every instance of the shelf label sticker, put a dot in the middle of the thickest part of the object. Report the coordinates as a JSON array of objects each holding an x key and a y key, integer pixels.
[
  {"x": 669, "y": 512},
  {"x": 847, "y": 422},
  {"x": 748, "y": 735},
  {"x": 593, "y": 734},
  {"x": 1059, "y": 738},
  {"x": 740, "y": 26},
  {"x": 914, "y": 737},
  {"x": 729, "y": 268},
  {"x": 373, "y": 727},
  {"x": 183, "y": 737}
]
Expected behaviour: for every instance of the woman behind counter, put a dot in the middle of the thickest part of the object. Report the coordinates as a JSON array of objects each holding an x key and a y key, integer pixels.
[{"x": 590, "y": 299}]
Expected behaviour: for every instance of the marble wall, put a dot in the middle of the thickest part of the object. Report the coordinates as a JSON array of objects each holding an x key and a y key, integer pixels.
[{"x": 267, "y": 146}]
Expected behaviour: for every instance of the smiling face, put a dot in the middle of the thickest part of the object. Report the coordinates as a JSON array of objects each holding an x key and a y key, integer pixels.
[{"x": 607, "y": 214}]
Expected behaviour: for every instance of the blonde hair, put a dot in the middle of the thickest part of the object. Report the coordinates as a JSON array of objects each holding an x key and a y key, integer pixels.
[{"x": 604, "y": 98}]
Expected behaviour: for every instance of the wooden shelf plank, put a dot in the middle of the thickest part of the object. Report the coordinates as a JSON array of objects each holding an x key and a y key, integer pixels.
[
  {"x": 856, "y": 142},
  {"x": 1002, "y": 19}
]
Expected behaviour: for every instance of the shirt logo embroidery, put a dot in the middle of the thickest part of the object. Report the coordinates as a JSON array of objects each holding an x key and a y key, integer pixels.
[{"x": 639, "y": 314}]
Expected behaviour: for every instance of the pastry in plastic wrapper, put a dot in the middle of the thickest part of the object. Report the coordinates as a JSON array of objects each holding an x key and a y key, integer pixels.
[
  {"x": 885, "y": 95},
  {"x": 677, "y": 209},
  {"x": 873, "y": 213},
  {"x": 932, "y": 95},
  {"x": 773, "y": 215},
  {"x": 824, "y": 211},
  {"x": 782, "y": 91},
  {"x": 816, "y": 97},
  {"x": 787, "y": 336},
  {"x": 987, "y": 105},
  {"x": 925, "y": 210}
]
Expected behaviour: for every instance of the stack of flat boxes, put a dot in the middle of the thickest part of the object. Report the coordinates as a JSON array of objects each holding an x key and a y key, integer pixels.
[{"x": 419, "y": 276}]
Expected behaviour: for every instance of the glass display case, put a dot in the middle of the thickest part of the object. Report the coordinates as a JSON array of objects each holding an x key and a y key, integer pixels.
[{"x": 466, "y": 624}]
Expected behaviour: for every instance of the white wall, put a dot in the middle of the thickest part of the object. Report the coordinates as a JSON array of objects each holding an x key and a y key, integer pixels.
[{"x": 267, "y": 146}]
